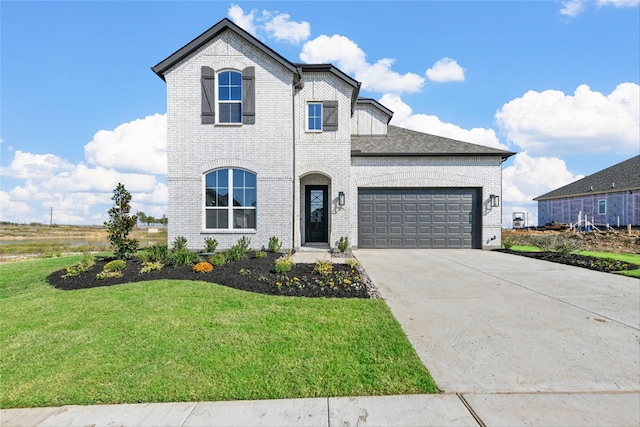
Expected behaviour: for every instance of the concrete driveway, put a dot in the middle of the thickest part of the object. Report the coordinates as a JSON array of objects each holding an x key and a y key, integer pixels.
[{"x": 492, "y": 326}]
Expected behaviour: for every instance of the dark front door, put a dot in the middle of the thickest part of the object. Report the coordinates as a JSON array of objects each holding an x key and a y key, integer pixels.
[{"x": 316, "y": 219}]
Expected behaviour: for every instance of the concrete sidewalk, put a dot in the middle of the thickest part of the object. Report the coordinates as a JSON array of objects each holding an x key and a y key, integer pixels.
[
  {"x": 541, "y": 409},
  {"x": 414, "y": 410}
]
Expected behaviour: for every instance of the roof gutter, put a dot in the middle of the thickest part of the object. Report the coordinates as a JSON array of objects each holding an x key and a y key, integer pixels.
[{"x": 590, "y": 193}]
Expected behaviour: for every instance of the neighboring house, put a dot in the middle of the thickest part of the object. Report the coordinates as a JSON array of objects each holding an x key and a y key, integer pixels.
[
  {"x": 611, "y": 196},
  {"x": 259, "y": 146}
]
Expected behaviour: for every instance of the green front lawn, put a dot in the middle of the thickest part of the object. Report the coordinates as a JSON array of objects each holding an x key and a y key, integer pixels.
[{"x": 168, "y": 341}]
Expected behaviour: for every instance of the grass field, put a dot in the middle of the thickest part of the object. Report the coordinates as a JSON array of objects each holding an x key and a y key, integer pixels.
[
  {"x": 168, "y": 341},
  {"x": 47, "y": 241}
]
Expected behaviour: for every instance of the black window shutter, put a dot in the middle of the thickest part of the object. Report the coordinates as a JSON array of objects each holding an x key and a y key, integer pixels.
[
  {"x": 249, "y": 96},
  {"x": 208, "y": 83},
  {"x": 330, "y": 116}
]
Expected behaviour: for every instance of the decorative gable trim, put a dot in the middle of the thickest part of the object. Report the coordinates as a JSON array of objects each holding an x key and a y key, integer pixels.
[
  {"x": 164, "y": 66},
  {"x": 377, "y": 105},
  {"x": 329, "y": 68}
]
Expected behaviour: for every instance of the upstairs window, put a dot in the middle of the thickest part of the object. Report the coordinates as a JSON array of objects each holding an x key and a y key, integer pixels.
[
  {"x": 322, "y": 116},
  {"x": 230, "y": 97},
  {"x": 230, "y": 199},
  {"x": 314, "y": 116}
]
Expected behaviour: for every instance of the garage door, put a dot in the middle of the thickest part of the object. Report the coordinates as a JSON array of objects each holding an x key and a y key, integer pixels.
[{"x": 418, "y": 218}]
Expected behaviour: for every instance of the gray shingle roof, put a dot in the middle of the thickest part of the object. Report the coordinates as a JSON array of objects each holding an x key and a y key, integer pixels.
[
  {"x": 624, "y": 176},
  {"x": 404, "y": 142}
]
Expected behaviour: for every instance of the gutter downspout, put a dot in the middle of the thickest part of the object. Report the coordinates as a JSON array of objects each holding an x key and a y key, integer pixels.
[
  {"x": 293, "y": 167},
  {"x": 298, "y": 83}
]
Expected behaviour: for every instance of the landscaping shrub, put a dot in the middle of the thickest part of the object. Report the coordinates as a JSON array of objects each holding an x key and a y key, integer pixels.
[
  {"x": 210, "y": 244},
  {"x": 121, "y": 223},
  {"x": 567, "y": 245},
  {"x": 352, "y": 262},
  {"x": 203, "y": 267},
  {"x": 274, "y": 244},
  {"x": 239, "y": 250},
  {"x": 86, "y": 262},
  {"x": 150, "y": 266},
  {"x": 323, "y": 267},
  {"x": 260, "y": 254},
  {"x": 108, "y": 274},
  {"x": 245, "y": 272},
  {"x": 115, "y": 265},
  {"x": 546, "y": 242},
  {"x": 183, "y": 257},
  {"x": 556, "y": 243},
  {"x": 218, "y": 259},
  {"x": 112, "y": 269},
  {"x": 507, "y": 243},
  {"x": 235, "y": 253},
  {"x": 179, "y": 244},
  {"x": 284, "y": 264},
  {"x": 158, "y": 252},
  {"x": 343, "y": 244}
]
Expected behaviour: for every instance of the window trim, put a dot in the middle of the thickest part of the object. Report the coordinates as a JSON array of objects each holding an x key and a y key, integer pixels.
[
  {"x": 308, "y": 116},
  {"x": 239, "y": 102},
  {"x": 230, "y": 198},
  {"x": 602, "y": 203}
]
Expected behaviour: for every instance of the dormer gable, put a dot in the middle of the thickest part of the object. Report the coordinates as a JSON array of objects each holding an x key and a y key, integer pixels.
[{"x": 370, "y": 118}]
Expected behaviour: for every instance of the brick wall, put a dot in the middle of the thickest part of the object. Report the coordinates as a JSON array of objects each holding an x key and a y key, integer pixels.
[{"x": 265, "y": 148}]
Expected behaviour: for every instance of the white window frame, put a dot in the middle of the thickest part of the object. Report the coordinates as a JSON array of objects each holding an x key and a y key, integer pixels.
[
  {"x": 230, "y": 208},
  {"x": 604, "y": 203},
  {"x": 219, "y": 101},
  {"x": 307, "y": 116}
]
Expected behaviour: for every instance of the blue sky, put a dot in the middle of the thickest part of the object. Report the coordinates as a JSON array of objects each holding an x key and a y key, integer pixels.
[{"x": 555, "y": 81}]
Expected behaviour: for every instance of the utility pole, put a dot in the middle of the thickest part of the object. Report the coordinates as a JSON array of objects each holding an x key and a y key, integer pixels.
[{"x": 51, "y": 218}]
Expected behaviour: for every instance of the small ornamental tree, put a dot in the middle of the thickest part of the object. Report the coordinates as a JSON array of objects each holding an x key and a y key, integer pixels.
[{"x": 121, "y": 223}]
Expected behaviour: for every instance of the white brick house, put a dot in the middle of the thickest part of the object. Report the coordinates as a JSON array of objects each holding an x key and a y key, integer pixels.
[{"x": 259, "y": 146}]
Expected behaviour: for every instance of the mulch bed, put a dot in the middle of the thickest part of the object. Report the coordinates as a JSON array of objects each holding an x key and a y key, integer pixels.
[
  {"x": 227, "y": 275},
  {"x": 592, "y": 263}
]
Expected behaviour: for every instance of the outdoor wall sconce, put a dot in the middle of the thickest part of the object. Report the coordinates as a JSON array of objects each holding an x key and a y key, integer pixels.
[
  {"x": 495, "y": 200},
  {"x": 341, "y": 198}
]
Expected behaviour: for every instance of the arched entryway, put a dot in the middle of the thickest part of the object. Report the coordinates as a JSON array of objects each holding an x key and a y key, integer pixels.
[{"x": 315, "y": 193}]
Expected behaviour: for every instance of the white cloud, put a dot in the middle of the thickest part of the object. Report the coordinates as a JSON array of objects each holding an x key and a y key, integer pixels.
[
  {"x": 619, "y": 3},
  {"x": 346, "y": 55},
  {"x": 246, "y": 22},
  {"x": 280, "y": 27},
  {"x": 585, "y": 122},
  {"x": 572, "y": 8},
  {"x": 530, "y": 177},
  {"x": 10, "y": 208},
  {"x": 276, "y": 25},
  {"x": 403, "y": 116},
  {"x": 139, "y": 146},
  {"x": 446, "y": 70},
  {"x": 28, "y": 165}
]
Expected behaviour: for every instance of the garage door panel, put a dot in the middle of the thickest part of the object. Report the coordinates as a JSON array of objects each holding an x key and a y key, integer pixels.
[{"x": 418, "y": 218}]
